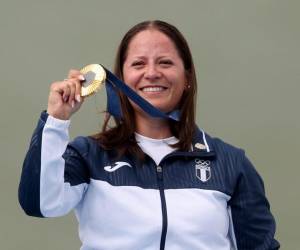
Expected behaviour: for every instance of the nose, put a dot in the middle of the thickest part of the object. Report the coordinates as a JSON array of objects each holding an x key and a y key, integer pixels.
[{"x": 152, "y": 73}]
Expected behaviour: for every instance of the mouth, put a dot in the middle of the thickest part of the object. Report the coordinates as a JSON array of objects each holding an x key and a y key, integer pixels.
[{"x": 153, "y": 89}]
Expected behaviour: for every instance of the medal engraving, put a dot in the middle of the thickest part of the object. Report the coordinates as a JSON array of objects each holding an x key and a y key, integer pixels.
[{"x": 94, "y": 75}]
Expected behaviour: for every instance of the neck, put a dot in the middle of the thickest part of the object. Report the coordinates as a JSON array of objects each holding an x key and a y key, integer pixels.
[{"x": 155, "y": 128}]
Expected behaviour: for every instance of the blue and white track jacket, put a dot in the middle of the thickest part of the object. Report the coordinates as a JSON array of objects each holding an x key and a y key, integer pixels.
[{"x": 210, "y": 198}]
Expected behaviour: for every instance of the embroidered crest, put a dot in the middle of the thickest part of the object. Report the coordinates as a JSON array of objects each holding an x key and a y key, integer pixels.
[
  {"x": 200, "y": 146},
  {"x": 203, "y": 171}
]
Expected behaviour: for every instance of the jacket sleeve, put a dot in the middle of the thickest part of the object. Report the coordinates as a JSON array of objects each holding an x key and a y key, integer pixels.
[
  {"x": 54, "y": 177},
  {"x": 253, "y": 223}
]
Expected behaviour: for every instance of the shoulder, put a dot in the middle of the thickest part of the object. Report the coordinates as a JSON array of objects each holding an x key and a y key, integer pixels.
[
  {"x": 226, "y": 154},
  {"x": 222, "y": 147},
  {"x": 217, "y": 145},
  {"x": 84, "y": 145},
  {"x": 233, "y": 157}
]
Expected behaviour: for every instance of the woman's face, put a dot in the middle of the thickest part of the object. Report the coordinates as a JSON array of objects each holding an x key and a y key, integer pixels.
[{"x": 154, "y": 69}]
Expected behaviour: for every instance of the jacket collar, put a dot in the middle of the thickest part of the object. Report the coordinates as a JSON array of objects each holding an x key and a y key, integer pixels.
[
  {"x": 202, "y": 146},
  {"x": 202, "y": 142}
]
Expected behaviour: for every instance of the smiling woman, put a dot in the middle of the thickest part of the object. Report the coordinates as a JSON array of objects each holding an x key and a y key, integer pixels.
[
  {"x": 154, "y": 54},
  {"x": 146, "y": 183}
]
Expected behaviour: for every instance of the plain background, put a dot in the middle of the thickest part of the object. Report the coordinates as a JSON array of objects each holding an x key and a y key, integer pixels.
[{"x": 247, "y": 59}]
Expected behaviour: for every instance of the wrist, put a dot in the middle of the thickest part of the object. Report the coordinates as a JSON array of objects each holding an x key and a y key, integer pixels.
[{"x": 59, "y": 115}]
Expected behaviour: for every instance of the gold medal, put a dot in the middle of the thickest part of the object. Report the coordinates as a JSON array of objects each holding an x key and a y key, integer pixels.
[{"x": 94, "y": 75}]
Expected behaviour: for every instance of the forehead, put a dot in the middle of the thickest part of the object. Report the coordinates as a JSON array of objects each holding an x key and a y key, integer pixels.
[{"x": 151, "y": 41}]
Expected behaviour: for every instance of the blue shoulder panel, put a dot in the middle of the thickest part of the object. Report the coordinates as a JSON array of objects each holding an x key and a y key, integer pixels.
[{"x": 29, "y": 187}]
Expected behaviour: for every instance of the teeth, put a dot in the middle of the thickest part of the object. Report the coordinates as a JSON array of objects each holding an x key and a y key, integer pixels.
[{"x": 153, "y": 89}]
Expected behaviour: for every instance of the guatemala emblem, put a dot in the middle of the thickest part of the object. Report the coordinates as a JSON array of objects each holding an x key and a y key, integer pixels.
[{"x": 203, "y": 171}]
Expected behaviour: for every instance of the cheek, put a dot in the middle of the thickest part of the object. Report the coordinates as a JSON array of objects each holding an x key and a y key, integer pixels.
[
  {"x": 179, "y": 94},
  {"x": 181, "y": 83},
  {"x": 130, "y": 77},
  {"x": 180, "y": 88},
  {"x": 125, "y": 74}
]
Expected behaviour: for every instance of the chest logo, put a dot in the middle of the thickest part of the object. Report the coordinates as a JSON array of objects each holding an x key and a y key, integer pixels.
[
  {"x": 118, "y": 164},
  {"x": 203, "y": 171},
  {"x": 200, "y": 146}
]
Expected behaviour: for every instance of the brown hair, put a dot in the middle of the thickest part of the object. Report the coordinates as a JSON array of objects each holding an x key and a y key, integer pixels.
[{"x": 121, "y": 136}]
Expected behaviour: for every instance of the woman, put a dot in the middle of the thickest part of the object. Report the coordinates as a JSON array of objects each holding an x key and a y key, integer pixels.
[{"x": 146, "y": 183}]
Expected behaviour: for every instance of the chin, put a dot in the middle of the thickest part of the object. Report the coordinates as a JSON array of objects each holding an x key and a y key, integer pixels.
[{"x": 163, "y": 108}]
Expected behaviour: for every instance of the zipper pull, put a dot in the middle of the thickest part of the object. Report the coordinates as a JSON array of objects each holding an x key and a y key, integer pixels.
[
  {"x": 159, "y": 169},
  {"x": 159, "y": 172}
]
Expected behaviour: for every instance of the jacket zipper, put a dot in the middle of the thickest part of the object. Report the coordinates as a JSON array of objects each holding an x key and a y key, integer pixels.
[{"x": 163, "y": 206}]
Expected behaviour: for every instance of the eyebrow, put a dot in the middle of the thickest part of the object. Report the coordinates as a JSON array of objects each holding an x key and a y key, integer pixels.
[{"x": 158, "y": 58}]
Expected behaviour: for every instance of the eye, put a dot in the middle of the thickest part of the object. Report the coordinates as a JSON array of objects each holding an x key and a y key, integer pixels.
[
  {"x": 137, "y": 64},
  {"x": 165, "y": 62}
]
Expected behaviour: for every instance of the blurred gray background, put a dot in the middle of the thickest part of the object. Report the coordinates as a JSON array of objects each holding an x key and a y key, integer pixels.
[{"x": 248, "y": 67}]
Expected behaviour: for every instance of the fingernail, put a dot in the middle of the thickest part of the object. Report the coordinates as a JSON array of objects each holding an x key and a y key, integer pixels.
[
  {"x": 78, "y": 99},
  {"x": 73, "y": 104},
  {"x": 81, "y": 77}
]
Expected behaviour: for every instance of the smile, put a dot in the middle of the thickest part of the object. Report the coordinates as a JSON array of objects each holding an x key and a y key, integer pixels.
[{"x": 153, "y": 89}]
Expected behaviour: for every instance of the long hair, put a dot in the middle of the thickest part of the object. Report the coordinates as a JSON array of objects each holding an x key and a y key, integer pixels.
[{"x": 121, "y": 137}]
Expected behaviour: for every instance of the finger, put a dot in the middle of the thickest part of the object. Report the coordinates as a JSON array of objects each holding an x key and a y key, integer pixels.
[
  {"x": 61, "y": 88},
  {"x": 78, "y": 92},
  {"x": 56, "y": 87},
  {"x": 76, "y": 74},
  {"x": 72, "y": 86},
  {"x": 66, "y": 91},
  {"x": 78, "y": 85}
]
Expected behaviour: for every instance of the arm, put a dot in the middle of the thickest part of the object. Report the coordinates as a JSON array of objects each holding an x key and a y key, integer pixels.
[
  {"x": 54, "y": 176},
  {"x": 253, "y": 223}
]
